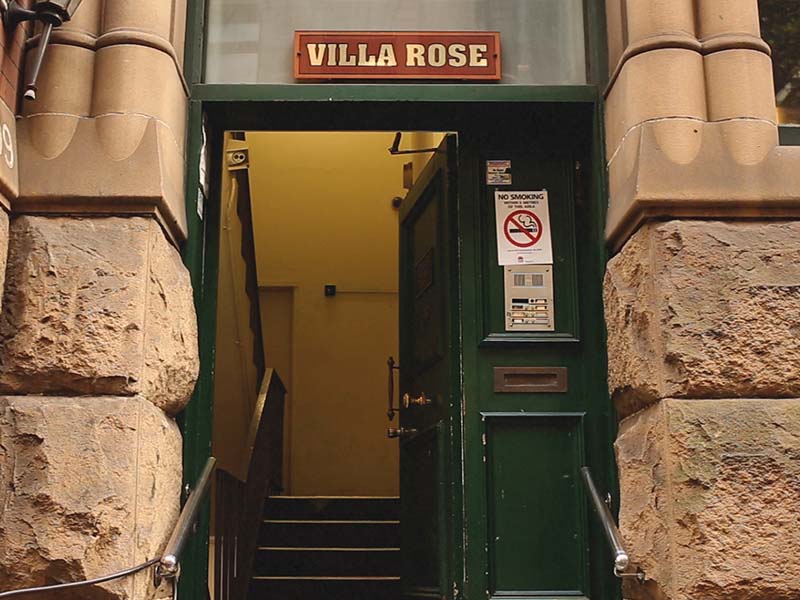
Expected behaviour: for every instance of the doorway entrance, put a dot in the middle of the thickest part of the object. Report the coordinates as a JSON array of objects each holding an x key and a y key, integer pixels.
[{"x": 497, "y": 413}]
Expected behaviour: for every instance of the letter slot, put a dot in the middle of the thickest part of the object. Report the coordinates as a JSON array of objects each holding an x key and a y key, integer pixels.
[{"x": 527, "y": 380}]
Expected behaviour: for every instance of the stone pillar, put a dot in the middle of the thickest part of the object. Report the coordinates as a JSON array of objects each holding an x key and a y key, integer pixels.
[
  {"x": 701, "y": 302},
  {"x": 98, "y": 334}
]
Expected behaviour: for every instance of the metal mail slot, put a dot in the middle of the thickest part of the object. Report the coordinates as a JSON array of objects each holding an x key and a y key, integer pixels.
[{"x": 527, "y": 380}]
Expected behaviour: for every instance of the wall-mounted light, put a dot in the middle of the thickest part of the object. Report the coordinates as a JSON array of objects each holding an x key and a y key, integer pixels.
[{"x": 51, "y": 13}]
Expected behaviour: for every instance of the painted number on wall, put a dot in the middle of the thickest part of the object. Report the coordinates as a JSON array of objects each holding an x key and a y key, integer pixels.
[{"x": 8, "y": 146}]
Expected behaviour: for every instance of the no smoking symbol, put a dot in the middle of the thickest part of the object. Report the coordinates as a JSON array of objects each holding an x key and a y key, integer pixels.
[{"x": 522, "y": 228}]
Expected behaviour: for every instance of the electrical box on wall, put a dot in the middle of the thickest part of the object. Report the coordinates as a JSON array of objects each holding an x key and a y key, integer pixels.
[{"x": 529, "y": 297}]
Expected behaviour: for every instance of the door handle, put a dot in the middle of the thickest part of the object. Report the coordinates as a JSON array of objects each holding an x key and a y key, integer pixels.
[
  {"x": 402, "y": 432},
  {"x": 393, "y": 366},
  {"x": 420, "y": 400}
]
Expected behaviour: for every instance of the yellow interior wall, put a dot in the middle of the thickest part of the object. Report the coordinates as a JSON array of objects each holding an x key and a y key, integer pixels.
[{"x": 322, "y": 214}]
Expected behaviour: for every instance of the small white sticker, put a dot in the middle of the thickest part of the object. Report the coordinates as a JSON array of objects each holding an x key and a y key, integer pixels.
[
  {"x": 523, "y": 228},
  {"x": 498, "y": 172}
]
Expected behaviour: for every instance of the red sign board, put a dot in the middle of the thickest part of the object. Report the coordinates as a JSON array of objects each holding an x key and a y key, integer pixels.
[{"x": 397, "y": 55}]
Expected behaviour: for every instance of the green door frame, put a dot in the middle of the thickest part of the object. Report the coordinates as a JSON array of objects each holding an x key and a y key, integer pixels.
[{"x": 216, "y": 108}]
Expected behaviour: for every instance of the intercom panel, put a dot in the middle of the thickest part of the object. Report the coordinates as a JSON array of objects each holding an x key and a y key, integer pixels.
[{"x": 529, "y": 297}]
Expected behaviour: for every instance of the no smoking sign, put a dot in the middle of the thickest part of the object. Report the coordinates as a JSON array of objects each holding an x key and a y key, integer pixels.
[{"x": 523, "y": 228}]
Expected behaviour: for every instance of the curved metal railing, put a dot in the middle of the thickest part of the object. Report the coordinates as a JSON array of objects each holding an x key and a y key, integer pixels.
[{"x": 167, "y": 566}]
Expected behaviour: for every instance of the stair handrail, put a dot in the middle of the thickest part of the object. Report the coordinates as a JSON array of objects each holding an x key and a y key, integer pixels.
[
  {"x": 167, "y": 566},
  {"x": 240, "y": 496},
  {"x": 622, "y": 561}
]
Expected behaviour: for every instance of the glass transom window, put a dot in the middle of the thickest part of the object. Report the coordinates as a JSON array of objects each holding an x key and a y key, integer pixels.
[{"x": 252, "y": 41}]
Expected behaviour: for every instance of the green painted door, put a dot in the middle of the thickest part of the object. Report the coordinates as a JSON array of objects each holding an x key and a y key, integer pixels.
[
  {"x": 492, "y": 502},
  {"x": 429, "y": 386},
  {"x": 535, "y": 403}
]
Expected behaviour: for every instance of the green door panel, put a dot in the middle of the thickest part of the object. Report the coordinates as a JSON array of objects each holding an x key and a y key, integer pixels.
[
  {"x": 528, "y": 530},
  {"x": 421, "y": 481},
  {"x": 429, "y": 357},
  {"x": 536, "y": 516}
]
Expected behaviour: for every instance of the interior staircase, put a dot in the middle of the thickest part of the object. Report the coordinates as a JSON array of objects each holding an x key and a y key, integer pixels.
[{"x": 315, "y": 548}]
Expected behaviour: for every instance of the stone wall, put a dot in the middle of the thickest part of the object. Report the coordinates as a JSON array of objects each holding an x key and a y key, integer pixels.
[
  {"x": 97, "y": 306},
  {"x": 711, "y": 493},
  {"x": 98, "y": 334},
  {"x": 701, "y": 303},
  {"x": 704, "y": 369},
  {"x": 98, "y": 316}
]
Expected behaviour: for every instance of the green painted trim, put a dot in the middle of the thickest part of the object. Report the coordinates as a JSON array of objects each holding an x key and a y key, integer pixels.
[
  {"x": 596, "y": 42},
  {"x": 395, "y": 93},
  {"x": 201, "y": 256},
  {"x": 194, "y": 47}
]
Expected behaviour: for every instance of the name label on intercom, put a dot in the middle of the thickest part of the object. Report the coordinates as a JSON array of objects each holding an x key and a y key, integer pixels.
[{"x": 529, "y": 297}]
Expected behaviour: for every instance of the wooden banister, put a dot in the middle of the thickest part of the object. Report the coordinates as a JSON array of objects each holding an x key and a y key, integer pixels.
[{"x": 240, "y": 496}]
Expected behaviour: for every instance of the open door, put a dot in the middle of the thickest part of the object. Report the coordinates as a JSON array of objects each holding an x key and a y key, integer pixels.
[{"x": 429, "y": 385}]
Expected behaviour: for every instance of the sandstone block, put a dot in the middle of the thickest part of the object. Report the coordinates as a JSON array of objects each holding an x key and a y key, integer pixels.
[
  {"x": 710, "y": 499},
  {"x": 704, "y": 309},
  {"x": 88, "y": 486},
  {"x": 98, "y": 306}
]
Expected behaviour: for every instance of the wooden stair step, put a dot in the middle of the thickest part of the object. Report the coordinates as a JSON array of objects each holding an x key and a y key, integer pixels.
[
  {"x": 341, "y": 562},
  {"x": 326, "y": 533},
  {"x": 325, "y": 588},
  {"x": 332, "y": 508}
]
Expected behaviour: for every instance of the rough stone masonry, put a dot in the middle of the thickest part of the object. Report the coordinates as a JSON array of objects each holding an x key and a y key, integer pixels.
[
  {"x": 98, "y": 347},
  {"x": 704, "y": 367}
]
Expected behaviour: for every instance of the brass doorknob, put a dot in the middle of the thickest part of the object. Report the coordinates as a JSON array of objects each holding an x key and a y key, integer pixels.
[
  {"x": 400, "y": 433},
  {"x": 421, "y": 400}
]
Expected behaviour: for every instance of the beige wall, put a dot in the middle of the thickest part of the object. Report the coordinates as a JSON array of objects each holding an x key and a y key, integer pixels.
[{"x": 323, "y": 215}]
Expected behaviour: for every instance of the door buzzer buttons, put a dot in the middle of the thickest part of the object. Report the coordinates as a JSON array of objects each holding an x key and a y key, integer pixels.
[{"x": 529, "y": 298}]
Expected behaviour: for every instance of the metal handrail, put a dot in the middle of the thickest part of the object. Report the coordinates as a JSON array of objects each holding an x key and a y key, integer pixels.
[
  {"x": 170, "y": 559},
  {"x": 613, "y": 537},
  {"x": 78, "y": 584},
  {"x": 167, "y": 565}
]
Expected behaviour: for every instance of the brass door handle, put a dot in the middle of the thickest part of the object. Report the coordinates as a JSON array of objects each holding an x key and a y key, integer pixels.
[
  {"x": 400, "y": 433},
  {"x": 421, "y": 400}
]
